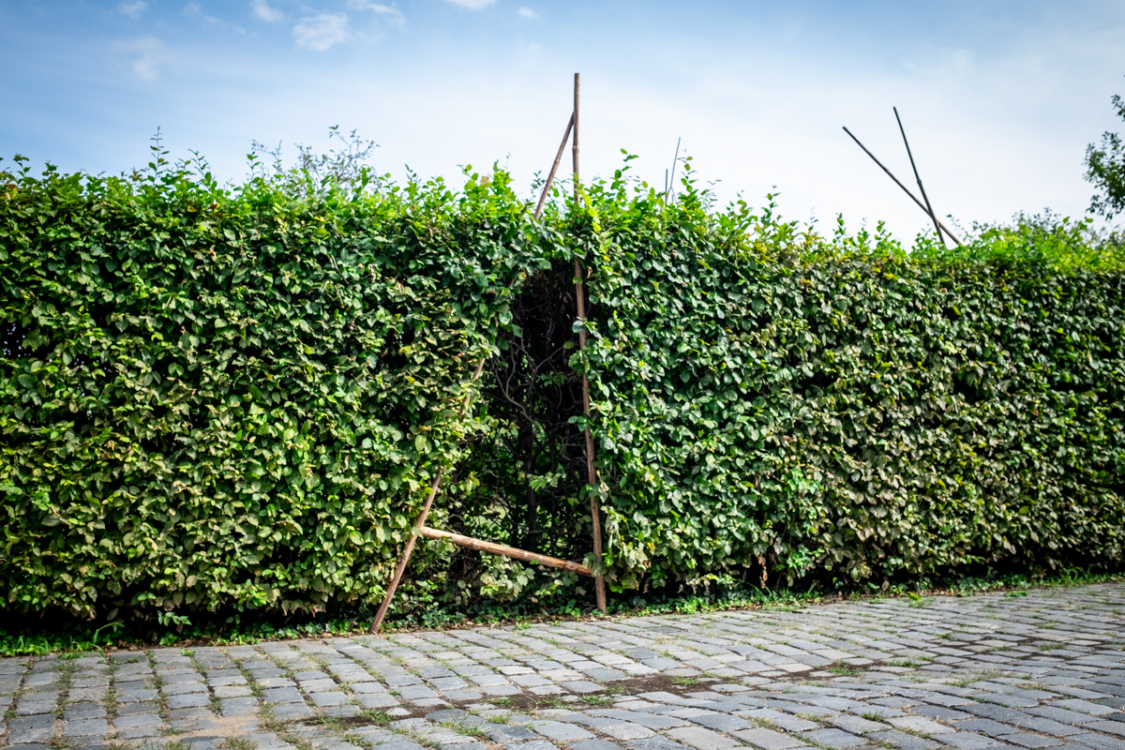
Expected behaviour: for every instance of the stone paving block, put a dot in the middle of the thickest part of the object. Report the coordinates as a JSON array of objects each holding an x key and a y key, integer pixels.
[
  {"x": 785, "y": 721},
  {"x": 1085, "y": 707},
  {"x": 857, "y": 725},
  {"x": 941, "y": 713},
  {"x": 138, "y": 721},
  {"x": 291, "y": 711},
  {"x": 561, "y": 731},
  {"x": 136, "y": 709},
  {"x": 834, "y": 738},
  {"x": 84, "y": 728},
  {"x": 596, "y": 745},
  {"x": 970, "y": 741},
  {"x": 1026, "y": 739},
  {"x": 238, "y": 706},
  {"x": 462, "y": 696},
  {"x": 701, "y": 739},
  {"x": 415, "y": 692},
  {"x": 767, "y": 739},
  {"x": 1062, "y": 715},
  {"x": 31, "y": 708},
  {"x": 919, "y": 724},
  {"x": 282, "y": 695},
  {"x": 83, "y": 711},
  {"x": 647, "y": 720},
  {"x": 136, "y": 695},
  {"x": 188, "y": 700},
  {"x": 1108, "y": 727},
  {"x": 505, "y": 734},
  {"x": 368, "y": 687},
  {"x": 992, "y": 711},
  {"x": 329, "y": 699},
  {"x": 904, "y": 741},
  {"x": 983, "y": 726},
  {"x": 1097, "y": 741},
  {"x": 31, "y": 729},
  {"x": 722, "y": 722},
  {"x": 376, "y": 700},
  {"x": 400, "y": 743}
]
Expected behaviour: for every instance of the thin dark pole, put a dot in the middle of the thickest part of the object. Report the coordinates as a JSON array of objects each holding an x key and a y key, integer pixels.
[
  {"x": 670, "y": 183},
  {"x": 554, "y": 167},
  {"x": 929, "y": 208},
  {"x": 896, "y": 181},
  {"x": 591, "y": 469}
]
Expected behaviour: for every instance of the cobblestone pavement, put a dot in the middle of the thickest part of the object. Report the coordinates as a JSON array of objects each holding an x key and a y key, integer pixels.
[{"x": 1045, "y": 670}]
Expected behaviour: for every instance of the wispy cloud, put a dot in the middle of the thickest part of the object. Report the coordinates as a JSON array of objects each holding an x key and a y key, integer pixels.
[
  {"x": 263, "y": 11},
  {"x": 393, "y": 13},
  {"x": 527, "y": 13},
  {"x": 151, "y": 54},
  {"x": 133, "y": 9},
  {"x": 322, "y": 32},
  {"x": 472, "y": 4}
]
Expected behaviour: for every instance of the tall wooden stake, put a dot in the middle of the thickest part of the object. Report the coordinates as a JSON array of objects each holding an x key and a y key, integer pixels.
[
  {"x": 591, "y": 471},
  {"x": 418, "y": 526}
]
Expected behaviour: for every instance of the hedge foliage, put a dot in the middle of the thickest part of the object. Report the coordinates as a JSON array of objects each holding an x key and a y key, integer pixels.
[
  {"x": 213, "y": 398},
  {"x": 789, "y": 404},
  {"x": 219, "y": 398}
]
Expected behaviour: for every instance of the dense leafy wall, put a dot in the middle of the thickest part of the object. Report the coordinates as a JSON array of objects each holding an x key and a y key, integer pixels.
[
  {"x": 769, "y": 402},
  {"x": 233, "y": 399},
  {"x": 216, "y": 398}
]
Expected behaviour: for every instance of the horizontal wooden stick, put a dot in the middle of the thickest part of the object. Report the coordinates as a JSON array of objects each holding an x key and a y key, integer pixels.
[{"x": 503, "y": 549}]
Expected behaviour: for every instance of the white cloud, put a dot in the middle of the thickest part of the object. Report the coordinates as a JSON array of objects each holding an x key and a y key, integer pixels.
[
  {"x": 377, "y": 9},
  {"x": 151, "y": 54},
  {"x": 134, "y": 9},
  {"x": 194, "y": 10},
  {"x": 527, "y": 13},
  {"x": 472, "y": 4},
  {"x": 263, "y": 12},
  {"x": 322, "y": 32}
]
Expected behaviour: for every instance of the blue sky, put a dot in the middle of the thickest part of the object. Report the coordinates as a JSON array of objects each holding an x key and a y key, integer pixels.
[{"x": 999, "y": 98}]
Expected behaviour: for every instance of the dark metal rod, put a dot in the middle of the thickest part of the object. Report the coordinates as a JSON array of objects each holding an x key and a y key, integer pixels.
[
  {"x": 555, "y": 166},
  {"x": 929, "y": 208},
  {"x": 896, "y": 181},
  {"x": 670, "y": 184}
]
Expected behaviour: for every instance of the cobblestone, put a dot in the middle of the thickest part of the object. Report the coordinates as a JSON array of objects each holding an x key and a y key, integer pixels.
[{"x": 1046, "y": 670}]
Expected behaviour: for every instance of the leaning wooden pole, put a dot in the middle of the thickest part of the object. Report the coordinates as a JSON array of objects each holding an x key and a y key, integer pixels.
[
  {"x": 580, "y": 293},
  {"x": 419, "y": 525},
  {"x": 554, "y": 167},
  {"x": 502, "y": 549}
]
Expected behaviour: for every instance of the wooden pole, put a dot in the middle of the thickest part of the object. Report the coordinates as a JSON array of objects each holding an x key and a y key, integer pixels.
[
  {"x": 554, "y": 167},
  {"x": 896, "y": 181},
  {"x": 591, "y": 470},
  {"x": 503, "y": 549},
  {"x": 929, "y": 208},
  {"x": 418, "y": 526}
]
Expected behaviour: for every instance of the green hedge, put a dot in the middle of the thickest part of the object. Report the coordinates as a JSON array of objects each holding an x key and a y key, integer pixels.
[
  {"x": 235, "y": 397},
  {"x": 775, "y": 404}
]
